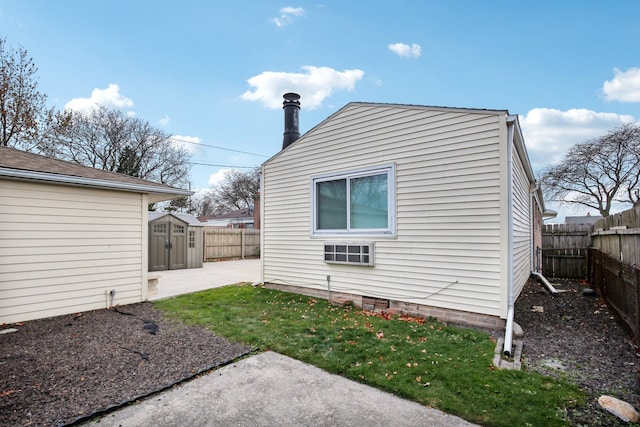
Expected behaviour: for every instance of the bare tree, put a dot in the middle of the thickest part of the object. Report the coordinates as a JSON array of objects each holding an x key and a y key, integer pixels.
[
  {"x": 598, "y": 172},
  {"x": 25, "y": 121},
  {"x": 202, "y": 204},
  {"x": 112, "y": 140},
  {"x": 237, "y": 190}
]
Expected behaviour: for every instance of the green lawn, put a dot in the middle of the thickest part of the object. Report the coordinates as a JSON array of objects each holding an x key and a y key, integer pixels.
[{"x": 445, "y": 367}]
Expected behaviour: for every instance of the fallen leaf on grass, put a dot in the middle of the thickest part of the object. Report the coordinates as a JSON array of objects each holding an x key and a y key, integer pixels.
[
  {"x": 379, "y": 335},
  {"x": 408, "y": 318}
]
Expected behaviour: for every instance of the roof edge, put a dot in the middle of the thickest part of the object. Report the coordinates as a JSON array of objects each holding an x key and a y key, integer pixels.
[{"x": 91, "y": 182}]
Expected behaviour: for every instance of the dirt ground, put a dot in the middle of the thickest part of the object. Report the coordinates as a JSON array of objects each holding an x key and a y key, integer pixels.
[
  {"x": 578, "y": 338},
  {"x": 65, "y": 369}
]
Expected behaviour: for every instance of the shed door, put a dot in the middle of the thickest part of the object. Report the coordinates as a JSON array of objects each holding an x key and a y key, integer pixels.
[
  {"x": 167, "y": 246},
  {"x": 178, "y": 247},
  {"x": 158, "y": 240}
]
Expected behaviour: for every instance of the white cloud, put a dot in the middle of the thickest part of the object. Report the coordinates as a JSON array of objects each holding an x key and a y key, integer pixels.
[
  {"x": 217, "y": 177},
  {"x": 109, "y": 97},
  {"x": 287, "y": 14},
  {"x": 314, "y": 86},
  {"x": 624, "y": 87},
  {"x": 189, "y": 143},
  {"x": 405, "y": 50},
  {"x": 164, "y": 121},
  {"x": 548, "y": 133}
]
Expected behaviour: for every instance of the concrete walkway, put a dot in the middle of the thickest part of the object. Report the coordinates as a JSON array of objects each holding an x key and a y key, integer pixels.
[
  {"x": 269, "y": 389},
  {"x": 266, "y": 389},
  {"x": 211, "y": 275}
]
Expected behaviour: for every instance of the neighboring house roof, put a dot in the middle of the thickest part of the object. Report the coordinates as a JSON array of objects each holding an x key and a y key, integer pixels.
[
  {"x": 16, "y": 164},
  {"x": 238, "y": 213},
  {"x": 587, "y": 219},
  {"x": 188, "y": 218}
]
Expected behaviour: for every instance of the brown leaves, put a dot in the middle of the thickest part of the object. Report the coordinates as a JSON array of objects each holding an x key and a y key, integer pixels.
[
  {"x": 379, "y": 335},
  {"x": 382, "y": 314},
  {"x": 411, "y": 319}
]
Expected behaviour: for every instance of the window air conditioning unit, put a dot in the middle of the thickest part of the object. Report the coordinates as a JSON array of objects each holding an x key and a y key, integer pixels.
[{"x": 355, "y": 253}]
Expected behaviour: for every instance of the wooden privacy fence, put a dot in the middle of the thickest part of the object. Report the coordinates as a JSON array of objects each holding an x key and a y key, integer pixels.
[
  {"x": 564, "y": 250},
  {"x": 619, "y": 236},
  {"x": 619, "y": 284},
  {"x": 231, "y": 243}
]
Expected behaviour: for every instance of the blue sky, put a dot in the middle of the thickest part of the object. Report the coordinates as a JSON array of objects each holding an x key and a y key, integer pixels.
[{"x": 213, "y": 73}]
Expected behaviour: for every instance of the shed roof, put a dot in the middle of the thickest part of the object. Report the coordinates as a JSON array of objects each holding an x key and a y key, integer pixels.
[
  {"x": 188, "y": 218},
  {"x": 16, "y": 164}
]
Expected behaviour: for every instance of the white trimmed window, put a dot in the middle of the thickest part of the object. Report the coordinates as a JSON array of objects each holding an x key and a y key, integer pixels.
[{"x": 359, "y": 202}]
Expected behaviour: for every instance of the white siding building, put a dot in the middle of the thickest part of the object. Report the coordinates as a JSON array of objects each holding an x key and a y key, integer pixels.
[
  {"x": 425, "y": 210},
  {"x": 70, "y": 235}
]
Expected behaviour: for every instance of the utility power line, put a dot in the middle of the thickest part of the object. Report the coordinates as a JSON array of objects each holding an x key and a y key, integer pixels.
[
  {"x": 219, "y": 148},
  {"x": 221, "y": 166}
]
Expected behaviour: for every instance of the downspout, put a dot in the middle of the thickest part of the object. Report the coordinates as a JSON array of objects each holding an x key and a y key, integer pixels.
[
  {"x": 545, "y": 282},
  {"x": 262, "y": 224},
  {"x": 508, "y": 333},
  {"x": 532, "y": 264},
  {"x": 534, "y": 273}
]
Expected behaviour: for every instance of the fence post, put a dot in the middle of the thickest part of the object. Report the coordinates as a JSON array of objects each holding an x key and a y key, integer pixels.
[
  {"x": 242, "y": 243},
  {"x": 637, "y": 331}
]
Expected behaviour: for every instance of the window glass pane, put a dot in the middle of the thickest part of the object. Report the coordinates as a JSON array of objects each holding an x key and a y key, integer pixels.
[
  {"x": 332, "y": 204},
  {"x": 369, "y": 202}
]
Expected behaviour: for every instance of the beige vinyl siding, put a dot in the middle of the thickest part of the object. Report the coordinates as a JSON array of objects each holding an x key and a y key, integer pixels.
[
  {"x": 447, "y": 249},
  {"x": 522, "y": 226},
  {"x": 62, "y": 247}
]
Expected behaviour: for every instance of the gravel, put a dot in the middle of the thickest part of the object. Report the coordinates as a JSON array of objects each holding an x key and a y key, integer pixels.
[
  {"x": 67, "y": 369},
  {"x": 64, "y": 369},
  {"x": 576, "y": 337}
]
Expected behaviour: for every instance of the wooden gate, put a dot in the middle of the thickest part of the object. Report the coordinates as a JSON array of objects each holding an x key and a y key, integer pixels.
[{"x": 564, "y": 250}]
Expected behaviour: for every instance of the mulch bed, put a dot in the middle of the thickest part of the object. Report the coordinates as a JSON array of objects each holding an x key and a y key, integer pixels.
[
  {"x": 64, "y": 369},
  {"x": 579, "y": 339}
]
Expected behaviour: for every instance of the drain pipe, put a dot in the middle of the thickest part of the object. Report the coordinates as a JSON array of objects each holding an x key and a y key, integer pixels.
[
  {"x": 545, "y": 282},
  {"x": 535, "y": 273},
  {"x": 508, "y": 333}
]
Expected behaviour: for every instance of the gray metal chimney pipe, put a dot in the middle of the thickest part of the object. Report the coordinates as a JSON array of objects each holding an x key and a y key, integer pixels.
[{"x": 291, "y": 107}]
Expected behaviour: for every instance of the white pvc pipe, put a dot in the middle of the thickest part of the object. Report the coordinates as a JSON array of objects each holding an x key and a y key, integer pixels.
[
  {"x": 544, "y": 282},
  {"x": 508, "y": 333}
]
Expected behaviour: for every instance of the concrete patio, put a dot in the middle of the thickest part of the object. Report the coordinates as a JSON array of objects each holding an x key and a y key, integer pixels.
[{"x": 211, "y": 275}]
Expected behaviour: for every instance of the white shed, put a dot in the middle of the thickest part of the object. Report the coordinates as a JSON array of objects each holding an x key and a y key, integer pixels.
[
  {"x": 72, "y": 238},
  {"x": 417, "y": 209}
]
